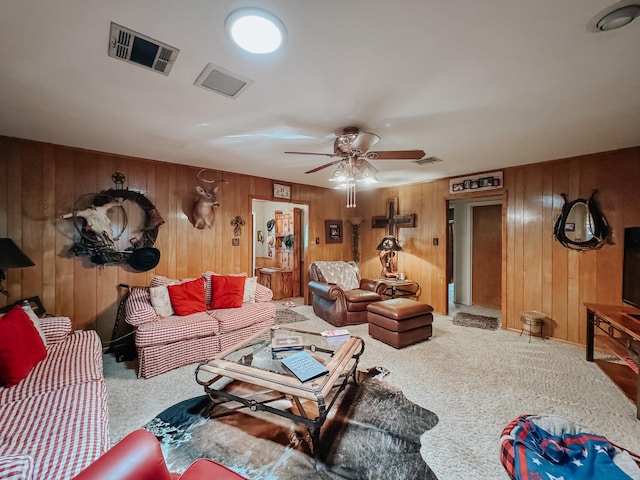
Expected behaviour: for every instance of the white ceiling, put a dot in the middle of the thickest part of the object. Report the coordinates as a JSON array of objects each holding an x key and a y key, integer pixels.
[{"x": 480, "y": 84}]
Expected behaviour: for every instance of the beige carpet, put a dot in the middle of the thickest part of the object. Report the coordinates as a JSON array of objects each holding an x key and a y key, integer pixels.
[{"x": 475, "y": 380}]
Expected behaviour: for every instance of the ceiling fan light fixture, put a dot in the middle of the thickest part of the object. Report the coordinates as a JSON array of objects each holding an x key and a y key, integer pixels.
[
  {"x": 341, "y": 174},
  {"x": 368, "y": 179},
  {"x": 618, "y": 18},
  {"x": 255, "y": 30}
]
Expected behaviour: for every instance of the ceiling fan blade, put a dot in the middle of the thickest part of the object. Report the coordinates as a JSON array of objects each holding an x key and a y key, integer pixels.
[
  {"x": 364, "y": 142},
  {"x": 395, "y": 155},
  {"x": 317, "y": 169},
  {"x": 313, "y": 153}
]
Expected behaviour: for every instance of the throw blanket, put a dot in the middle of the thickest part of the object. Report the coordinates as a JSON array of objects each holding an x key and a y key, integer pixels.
[{"x": 566, "y": 455}]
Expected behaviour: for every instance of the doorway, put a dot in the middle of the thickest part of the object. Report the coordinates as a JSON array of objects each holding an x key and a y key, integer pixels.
[
  {"x": 474, "y": 255},
  {"x": 280, "y": 243}
]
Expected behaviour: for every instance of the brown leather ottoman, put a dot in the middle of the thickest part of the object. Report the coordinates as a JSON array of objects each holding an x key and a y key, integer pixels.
[{"x": 400, "y": 322}]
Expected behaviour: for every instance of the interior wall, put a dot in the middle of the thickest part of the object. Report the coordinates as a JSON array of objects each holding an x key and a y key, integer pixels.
[
  {"x": 463, "y": 238},
  {"x": 538, "y": 272},
  {"x": 264, "y": 211},
  {"x": 39, "y": 182}
]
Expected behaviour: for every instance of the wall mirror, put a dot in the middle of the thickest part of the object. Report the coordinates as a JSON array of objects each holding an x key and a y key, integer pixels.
[{"x": 581, "y": 225}]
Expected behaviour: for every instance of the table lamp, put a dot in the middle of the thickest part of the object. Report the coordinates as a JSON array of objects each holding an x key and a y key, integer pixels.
[
  {"x": 388, "y": 247},
  {"x": 11, "y": 257}
]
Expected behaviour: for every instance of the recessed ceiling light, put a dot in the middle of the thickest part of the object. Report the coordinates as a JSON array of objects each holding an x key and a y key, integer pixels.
[
  {"x": 618, "y": 18},
  {"x": 255, "y": 30}
]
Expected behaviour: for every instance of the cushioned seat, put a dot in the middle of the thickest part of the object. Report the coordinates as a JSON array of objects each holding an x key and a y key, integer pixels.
[
  {"x": 550, "y": 446},
  {"x": 340, "y": 296},
  {"x": 400, "y": 322}
]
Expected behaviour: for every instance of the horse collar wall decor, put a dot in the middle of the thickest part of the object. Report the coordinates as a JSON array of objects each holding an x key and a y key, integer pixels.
[{"x": 581, "y": 225}]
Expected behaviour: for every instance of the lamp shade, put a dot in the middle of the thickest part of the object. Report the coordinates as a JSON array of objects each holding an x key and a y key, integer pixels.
[
  {"x": 11, "y": 256},
  {"x": 389, "y": 243}
]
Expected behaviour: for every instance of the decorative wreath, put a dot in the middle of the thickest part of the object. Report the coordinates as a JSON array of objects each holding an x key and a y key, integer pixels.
[{"x": 100, "y": 249}]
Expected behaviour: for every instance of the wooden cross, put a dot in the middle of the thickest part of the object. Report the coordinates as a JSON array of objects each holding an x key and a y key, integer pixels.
[{"x": 393, "y": 220}]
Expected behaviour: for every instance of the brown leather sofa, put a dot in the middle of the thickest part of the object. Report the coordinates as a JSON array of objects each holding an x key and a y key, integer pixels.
[{"x": 340, "y": 296}]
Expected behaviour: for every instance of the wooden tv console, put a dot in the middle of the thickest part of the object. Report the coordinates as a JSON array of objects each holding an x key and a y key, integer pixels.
[{"x": 622, "y": 338}]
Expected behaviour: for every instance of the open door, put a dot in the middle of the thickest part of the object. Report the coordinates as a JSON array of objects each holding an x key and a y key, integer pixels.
[
  {"x": 474, "y": 247},
  {"x": 486, "y": 256},
  {"x": 279, "y": 242},
  {"x": 297, "y": 250}
]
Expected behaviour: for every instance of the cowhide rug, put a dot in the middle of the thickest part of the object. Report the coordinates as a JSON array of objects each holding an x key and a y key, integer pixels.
[{"x": 373, "y": 432}]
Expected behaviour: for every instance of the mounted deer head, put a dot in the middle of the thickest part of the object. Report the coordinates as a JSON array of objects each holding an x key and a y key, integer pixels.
[{"x": 203, "y": 212}]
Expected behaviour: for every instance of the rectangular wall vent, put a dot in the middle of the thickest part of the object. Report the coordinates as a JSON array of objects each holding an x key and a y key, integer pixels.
[
  {"x": 427, "y": 160},
  {"x": 217, "y": 79},
  {"x": 133, "y": 47}
]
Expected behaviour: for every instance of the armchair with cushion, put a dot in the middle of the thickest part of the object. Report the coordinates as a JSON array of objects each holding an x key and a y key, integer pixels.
[
  {"x": 138, "y": 456},
  {"x": 340, "y": 296}
]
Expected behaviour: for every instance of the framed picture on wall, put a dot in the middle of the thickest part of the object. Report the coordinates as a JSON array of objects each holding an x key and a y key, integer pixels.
[
  {"x": 281, "y": 190},
  {"x": 333, "y": 231}
]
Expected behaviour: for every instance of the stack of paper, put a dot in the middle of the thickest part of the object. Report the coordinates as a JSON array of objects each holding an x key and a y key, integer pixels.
[
  {"x": 339, "y": 335},
  {"x": 283, "y": 344}
]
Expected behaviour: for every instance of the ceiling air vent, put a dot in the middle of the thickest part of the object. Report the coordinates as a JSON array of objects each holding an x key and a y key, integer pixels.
[
  {"x": 133, "y": 47},
  {"x": 427, "y": 160},
  {"x": 217, "y": 79}
]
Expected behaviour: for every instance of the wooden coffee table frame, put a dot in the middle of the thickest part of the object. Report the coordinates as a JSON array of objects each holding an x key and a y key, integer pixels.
[{"x": 323, "y": 391}]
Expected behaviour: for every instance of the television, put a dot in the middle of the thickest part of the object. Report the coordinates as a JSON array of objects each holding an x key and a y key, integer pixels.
[{"x": 631, "y": 269}]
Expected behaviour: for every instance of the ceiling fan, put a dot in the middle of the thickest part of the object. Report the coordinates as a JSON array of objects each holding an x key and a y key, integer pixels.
[
  {"x": 354, "y": 149},
  {"x": 356, "y": 145}
]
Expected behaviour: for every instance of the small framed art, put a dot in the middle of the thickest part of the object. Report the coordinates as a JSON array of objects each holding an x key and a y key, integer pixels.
[
  {"x": 281, "y": 190},
  {"x": 333, "y": 231}
]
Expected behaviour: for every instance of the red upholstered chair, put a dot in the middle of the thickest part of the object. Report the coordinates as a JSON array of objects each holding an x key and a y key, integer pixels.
[{"x": 138, "y": 456}]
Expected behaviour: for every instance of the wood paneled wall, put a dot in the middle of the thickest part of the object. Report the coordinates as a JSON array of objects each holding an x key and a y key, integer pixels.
[
  {"x": 39, "y": 182},
  {"x": 538, "y": 272},
  {"x": 541, "y": 273}
]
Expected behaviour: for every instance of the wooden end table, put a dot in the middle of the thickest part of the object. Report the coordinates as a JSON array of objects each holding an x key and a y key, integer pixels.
[
  {"x": 619, "y": 335},
  {"x": 397, "y": 288}
]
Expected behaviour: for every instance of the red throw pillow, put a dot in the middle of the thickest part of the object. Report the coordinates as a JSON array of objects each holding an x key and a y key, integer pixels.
[
  {"x": 188, "y": 297},
  {"x": 228, "y": 291},
  {"x": 21, "y": 347}
]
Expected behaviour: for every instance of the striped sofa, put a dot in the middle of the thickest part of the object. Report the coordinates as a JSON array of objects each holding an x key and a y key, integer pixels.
[
  {"x": 54, "y": 422},
  {"x": 166, "y": 343}
]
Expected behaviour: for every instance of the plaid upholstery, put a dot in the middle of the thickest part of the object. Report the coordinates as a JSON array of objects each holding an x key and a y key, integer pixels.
[
  {"x": 159, "y": 280},
  {"x": 232, "y": 338},
  {"x": 78, "y": 359},
  {"x": 176, "y": 328},
  {"x": 231, "y": 319},
  {"x": 16, "y": 467},
  {"x": 263, "y": 294},
  {"x": 156, "y": 359},
  {"x": 57, "y": 416},
  {"x": 138, "y": 307},
  {"x": 507, "y": 457},
  {"x": 171, "y": 342},
  {"x": 63, "y": 430},
  {"x": 208, "y": 286},
  {"x": 55, "y": 328}
]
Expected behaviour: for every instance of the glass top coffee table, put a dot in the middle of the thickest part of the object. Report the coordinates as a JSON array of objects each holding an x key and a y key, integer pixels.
[{"x": 251, "y": 375}]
